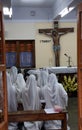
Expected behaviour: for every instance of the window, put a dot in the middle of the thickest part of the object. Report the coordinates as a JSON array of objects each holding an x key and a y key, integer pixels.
[{"x": 20, "y": 53}]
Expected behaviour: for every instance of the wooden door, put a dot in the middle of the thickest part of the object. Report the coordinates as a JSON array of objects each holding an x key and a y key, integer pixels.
[
  {"x": 79, "y": 64},
  {"x": 3, "y": 89}
]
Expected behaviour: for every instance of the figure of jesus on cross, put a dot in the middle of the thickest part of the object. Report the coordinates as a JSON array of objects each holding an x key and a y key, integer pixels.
[{"x": 55, "y": 34}]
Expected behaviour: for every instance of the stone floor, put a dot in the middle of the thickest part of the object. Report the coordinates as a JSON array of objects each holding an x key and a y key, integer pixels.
[{"x": 73, "y": 113}]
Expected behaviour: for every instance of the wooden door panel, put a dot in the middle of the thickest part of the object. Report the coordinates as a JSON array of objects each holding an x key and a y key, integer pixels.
[
  {"x": 79, "y": 64},
  {"x": 3, "y": 88}
]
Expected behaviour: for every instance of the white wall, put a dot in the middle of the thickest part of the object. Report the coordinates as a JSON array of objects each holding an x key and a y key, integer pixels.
[
  {"x": 68, "y": 43},
  {"x": 19, "y": 30},
  {"x": 44, "y": 51}
]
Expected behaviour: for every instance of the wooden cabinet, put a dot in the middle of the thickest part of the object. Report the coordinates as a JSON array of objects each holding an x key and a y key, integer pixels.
[
  {"x": 3, "y": 89},
  {"x": 79, "y": 64}
]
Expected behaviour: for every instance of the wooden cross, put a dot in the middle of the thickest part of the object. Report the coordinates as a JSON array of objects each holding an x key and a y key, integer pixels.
[{"x": 55, "y": 34}]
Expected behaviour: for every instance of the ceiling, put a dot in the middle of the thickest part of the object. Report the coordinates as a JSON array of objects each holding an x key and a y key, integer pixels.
[{"x": 40, "y": 10}]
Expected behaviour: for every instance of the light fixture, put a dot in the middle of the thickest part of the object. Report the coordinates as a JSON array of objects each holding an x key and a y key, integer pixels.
[
  {"x": 66, "y": 11},
  {"x": 32, "y": 1},
  {"x": 7, "y": 11}
]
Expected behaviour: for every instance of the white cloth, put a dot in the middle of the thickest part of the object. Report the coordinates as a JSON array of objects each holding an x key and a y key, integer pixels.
[
  {"x": 13, "y": 73},
  {"x": 42, "y": 76},
  {"x": 19, "y": 86},
  {"x": 42, "y": 80},
  {"x": 12, "y": 102},
  {"x": 62, "y": 70},
  {"x": 30, "y": 95},
  {"x": 12, "y": 126},
  {"x": 31, "y": 101},
  {"x": 54, "y": 94},
  {"x": 59, "y": 96}
]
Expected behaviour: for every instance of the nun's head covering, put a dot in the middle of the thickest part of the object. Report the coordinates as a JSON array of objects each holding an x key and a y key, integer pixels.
[
  {"x": 20, "y": 82},
  {"x": 31, "y": 81},
  {"x": 41, "y": 75},
  {"x": 36, "y": 73},
  {"x": 44, "y": 77},
  {"x": 19, "y": 86},
  {"x": 53, "y": 81},
  {"x": 33, "y": 95},
  {"x": 13, "y": 73}
]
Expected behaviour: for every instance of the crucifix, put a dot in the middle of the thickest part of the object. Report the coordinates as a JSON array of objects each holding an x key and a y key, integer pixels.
[{"x": 55, "y": 34}]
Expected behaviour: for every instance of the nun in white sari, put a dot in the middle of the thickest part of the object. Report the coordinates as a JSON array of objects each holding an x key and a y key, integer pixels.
[
  {"x": 59, "y": 96},
  {"x": 19, "y": 86},
  {"x": 12, "y": 102},
  {"x": 42, "y": 80},
  {"x": 31, "y": 101},
  {"x": 55, "y": 96}
]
